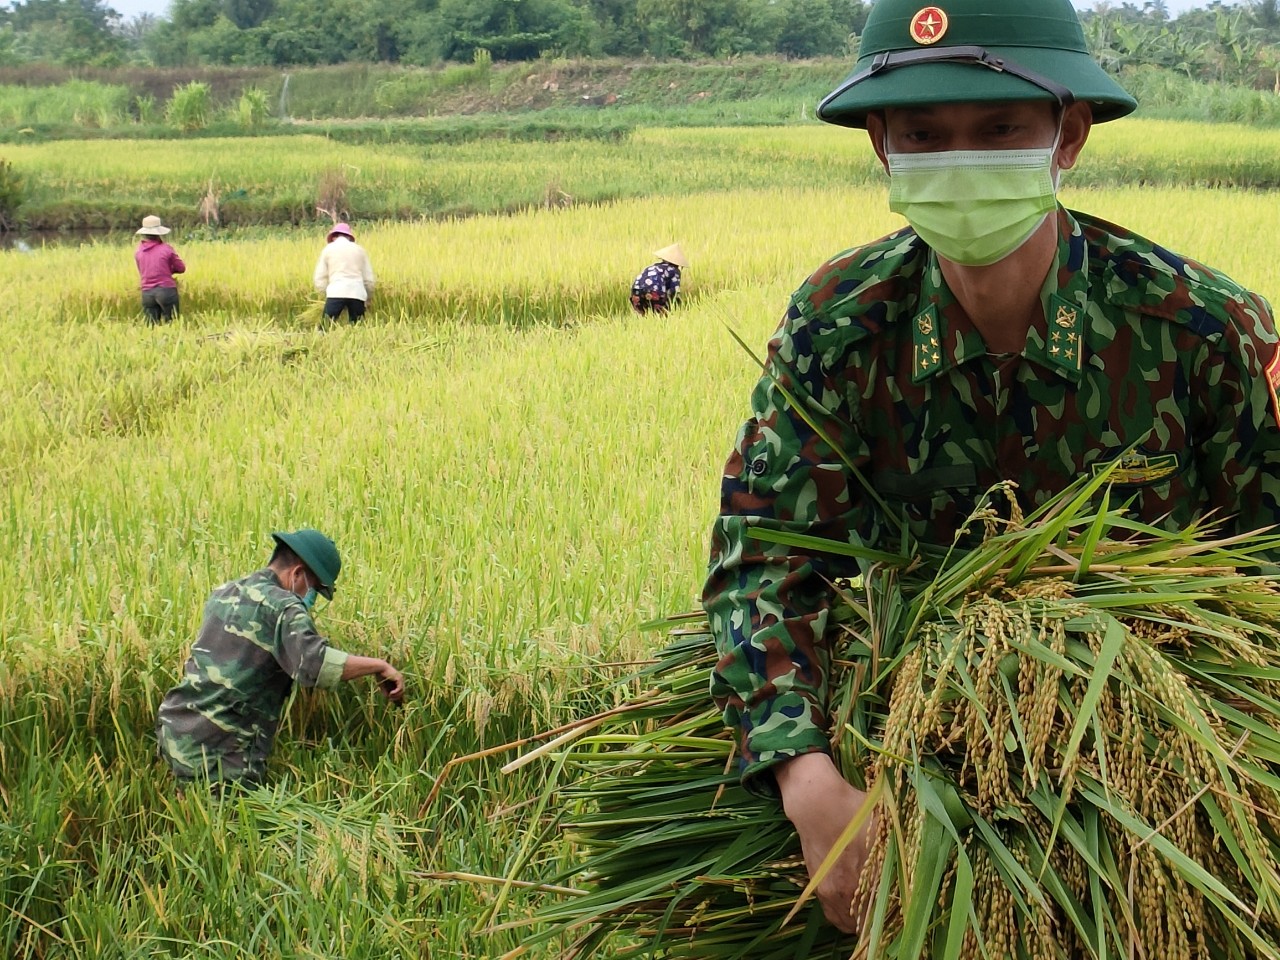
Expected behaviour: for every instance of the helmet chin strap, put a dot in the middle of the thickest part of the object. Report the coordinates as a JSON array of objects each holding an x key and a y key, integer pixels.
[
  {"x": 1057, "y": 142},
  {"x": 979, "y": 56}
]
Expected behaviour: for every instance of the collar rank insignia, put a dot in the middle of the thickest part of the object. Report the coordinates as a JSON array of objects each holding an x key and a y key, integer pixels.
[
  {"x": 1065, "y": 346},
  {"x": 928, "y": 26},
  {"x": 927, "y": 340}
]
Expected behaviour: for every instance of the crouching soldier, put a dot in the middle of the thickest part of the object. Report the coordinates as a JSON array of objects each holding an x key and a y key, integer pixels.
[{"x": 257, "y": 639}]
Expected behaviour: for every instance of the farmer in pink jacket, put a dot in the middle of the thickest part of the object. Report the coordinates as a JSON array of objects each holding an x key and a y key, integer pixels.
[{"x": 157, "y": 263}]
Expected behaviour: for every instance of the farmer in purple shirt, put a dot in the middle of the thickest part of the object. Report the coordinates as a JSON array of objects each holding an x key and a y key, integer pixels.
[{"x": 157, "y": 263}]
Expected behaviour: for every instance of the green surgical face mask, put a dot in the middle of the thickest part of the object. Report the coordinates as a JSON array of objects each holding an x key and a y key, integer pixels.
[
  {"x": 974, "y": 207},
  {"x": 309, "y": 598}
]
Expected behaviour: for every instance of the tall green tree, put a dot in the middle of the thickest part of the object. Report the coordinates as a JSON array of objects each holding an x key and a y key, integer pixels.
[
  {"x": 615, "y": 28},
  {"x": 247, "y": 13},
  {"x": 815, "y": 28},
  {"x": 188, "y": 15},
  {"x": 512, "y": 29},
  {"x": 1266, "y": 14},
  {"x": 71, "y": 32},
  {"x": 689, "y": 27},
  {"x": 222, "y": 42}
]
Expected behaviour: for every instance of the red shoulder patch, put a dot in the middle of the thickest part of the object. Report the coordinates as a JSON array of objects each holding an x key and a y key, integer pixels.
[{"x": 1273, "y": 381}]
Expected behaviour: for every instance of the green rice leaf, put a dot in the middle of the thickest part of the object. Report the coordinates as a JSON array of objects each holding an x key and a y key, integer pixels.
[{"x": 1112, "y": 641}]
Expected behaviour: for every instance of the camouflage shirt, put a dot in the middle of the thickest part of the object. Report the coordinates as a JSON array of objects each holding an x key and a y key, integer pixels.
[
  {"x": 1140, "y": 355},
  {"x": 256, "y": 640}
]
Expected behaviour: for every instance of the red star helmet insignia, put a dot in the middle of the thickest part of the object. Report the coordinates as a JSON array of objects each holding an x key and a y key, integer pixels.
[{"x": 929, "y": 25}]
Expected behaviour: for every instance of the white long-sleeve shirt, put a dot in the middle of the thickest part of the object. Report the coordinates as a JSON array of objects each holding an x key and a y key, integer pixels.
[{"x": 344, "y": 270}]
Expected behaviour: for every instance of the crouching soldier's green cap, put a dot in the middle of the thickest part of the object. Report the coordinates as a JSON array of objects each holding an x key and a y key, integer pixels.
[
  {"x": 318, "y": 552},
  {"x": 913, "y": 54}
]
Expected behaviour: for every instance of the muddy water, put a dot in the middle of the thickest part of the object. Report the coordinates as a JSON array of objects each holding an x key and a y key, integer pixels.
[{"x": 35, "y": 239}]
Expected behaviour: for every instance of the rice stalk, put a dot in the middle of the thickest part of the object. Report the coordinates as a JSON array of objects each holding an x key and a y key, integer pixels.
[{"x": 1072, "y": 729}]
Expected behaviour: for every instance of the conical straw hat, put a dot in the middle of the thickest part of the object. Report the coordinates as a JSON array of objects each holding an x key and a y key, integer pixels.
[
  {"x": 672, "y": 254},
  {"x": 152, "y": 227}
]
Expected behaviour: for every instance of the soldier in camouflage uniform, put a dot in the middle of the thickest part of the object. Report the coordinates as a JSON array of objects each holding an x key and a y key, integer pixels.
[
  {"x": 257, "y": 639},
  {"x": 999, "y": 337}
]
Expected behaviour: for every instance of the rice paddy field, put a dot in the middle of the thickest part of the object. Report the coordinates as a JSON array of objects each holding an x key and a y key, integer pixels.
[
  {"x": 517, "y": 470},
  {"x": 281, "y": 179}
]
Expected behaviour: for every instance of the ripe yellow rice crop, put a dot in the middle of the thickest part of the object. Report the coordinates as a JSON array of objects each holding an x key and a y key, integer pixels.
[{"x": 516, "y": 469}]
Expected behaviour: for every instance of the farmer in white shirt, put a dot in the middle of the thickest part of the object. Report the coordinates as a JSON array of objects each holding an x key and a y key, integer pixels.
[{"x": 345, "y": 275}]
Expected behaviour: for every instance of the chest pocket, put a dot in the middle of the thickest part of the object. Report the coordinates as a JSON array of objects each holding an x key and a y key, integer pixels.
[
  {"x": 932, "y": 503},
  {"x": 924, "y": 486}
]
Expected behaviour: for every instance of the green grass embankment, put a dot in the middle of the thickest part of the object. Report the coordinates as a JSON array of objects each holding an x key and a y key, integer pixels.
[
  {"x": 761, "y": 90},
  {"x": 289, "y": 180}
]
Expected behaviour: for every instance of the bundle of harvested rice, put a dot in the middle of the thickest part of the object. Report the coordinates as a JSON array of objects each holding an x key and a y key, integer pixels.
[{"x": 1072, "y": 733}]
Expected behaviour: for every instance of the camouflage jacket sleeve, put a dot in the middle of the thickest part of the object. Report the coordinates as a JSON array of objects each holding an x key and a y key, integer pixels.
[
  {"x": 769, "y": 605},
  {"x": 303, "y": 653},
  {"x": 1241, "y": 449}
]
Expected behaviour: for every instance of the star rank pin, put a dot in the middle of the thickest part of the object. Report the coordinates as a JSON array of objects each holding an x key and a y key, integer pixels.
[{"x": 929, "y": 25}]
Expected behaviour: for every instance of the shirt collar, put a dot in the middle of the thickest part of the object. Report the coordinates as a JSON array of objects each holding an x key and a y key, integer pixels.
[{"x": 943, "y": 336}]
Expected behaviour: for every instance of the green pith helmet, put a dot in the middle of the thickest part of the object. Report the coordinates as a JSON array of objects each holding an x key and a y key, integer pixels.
[
  {"x": 318, "y": 552},
  {"x": 914, "y": 54}
]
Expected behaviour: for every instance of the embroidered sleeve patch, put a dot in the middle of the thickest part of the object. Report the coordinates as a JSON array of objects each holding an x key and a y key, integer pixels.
[
  {"x": 1273, "y": 381},
  {"x": 1139, "y": 469}
]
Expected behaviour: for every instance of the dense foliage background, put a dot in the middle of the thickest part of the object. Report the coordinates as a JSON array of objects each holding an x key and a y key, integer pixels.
[{"x": 1236, "y": 42}]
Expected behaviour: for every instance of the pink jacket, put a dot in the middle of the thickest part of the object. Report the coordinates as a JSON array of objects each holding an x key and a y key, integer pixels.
[{"x": 157, "y": 263}]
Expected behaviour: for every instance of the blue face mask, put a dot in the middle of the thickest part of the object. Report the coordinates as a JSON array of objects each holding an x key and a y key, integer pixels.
[{"x": 309, "y": 598}]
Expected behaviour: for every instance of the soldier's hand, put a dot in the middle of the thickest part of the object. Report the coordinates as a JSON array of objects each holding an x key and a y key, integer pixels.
[
  {"x": 820, "y": 804},
  {"x": 391, "y": 683}
]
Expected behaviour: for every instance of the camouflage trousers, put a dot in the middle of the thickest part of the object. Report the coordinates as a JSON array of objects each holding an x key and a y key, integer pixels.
[{"x": 233, "y": 760}]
